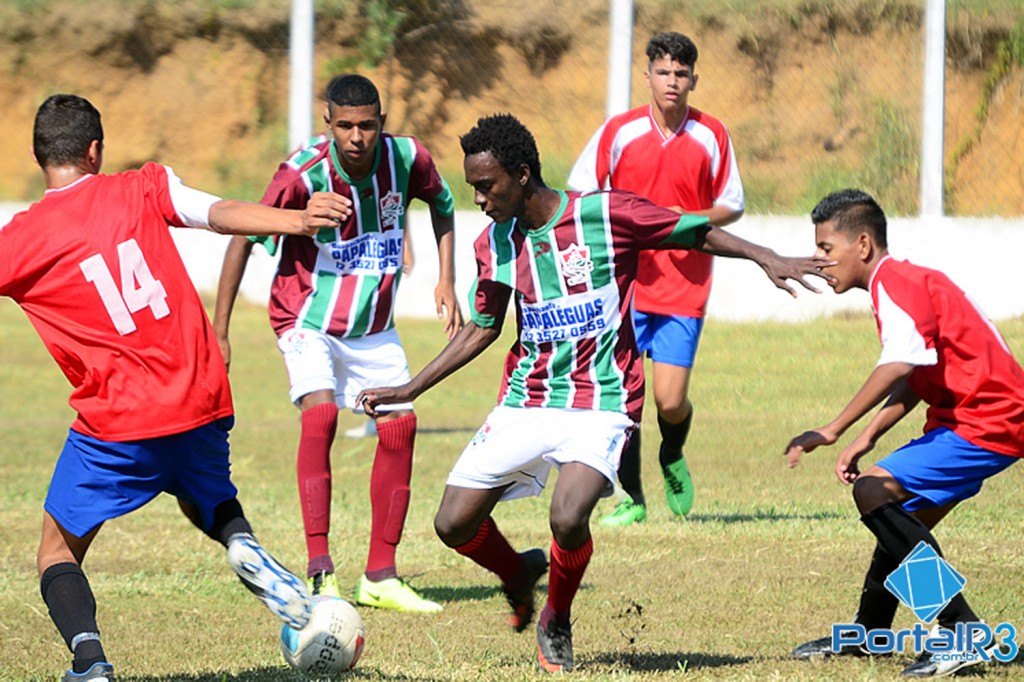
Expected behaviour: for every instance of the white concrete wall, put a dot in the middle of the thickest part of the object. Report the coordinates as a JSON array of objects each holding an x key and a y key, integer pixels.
[{"x": 981, "y": 255}]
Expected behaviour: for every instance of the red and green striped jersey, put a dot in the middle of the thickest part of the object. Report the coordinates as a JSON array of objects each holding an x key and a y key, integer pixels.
[
  {"x": 573, "y": 281},
  {"x": 344, "y": 280}
]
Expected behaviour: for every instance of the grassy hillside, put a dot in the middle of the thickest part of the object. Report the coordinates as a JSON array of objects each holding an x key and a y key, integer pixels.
[{"x": 816, "y": 93}]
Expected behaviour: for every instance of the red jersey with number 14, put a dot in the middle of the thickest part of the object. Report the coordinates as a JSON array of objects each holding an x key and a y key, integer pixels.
[{"x": 94, "y": 267}]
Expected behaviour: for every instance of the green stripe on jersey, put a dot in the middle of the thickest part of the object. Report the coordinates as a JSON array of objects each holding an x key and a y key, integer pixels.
[
  {"x": 559, "y": 367},
  {"x": 319, "y": 178},
  {"x": 596, "y": 233},
  {"x": 517, "y": 380},
  {"x": 368, "y": 286},
  {"x": 686, "y": 231},
  {"x": 319, "y": 304},
  {"x": 608, "y": 375},
  {"x": 504, "y": 254},
  {"x": 444, "y": 202},
  {"x": 545, "y": 265},
  {"x": 404, "y": 153}
]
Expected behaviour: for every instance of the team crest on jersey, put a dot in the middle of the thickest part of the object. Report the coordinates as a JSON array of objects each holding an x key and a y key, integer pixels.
[
  {"x": 576, "y": 264},
  {"x": 391, "y": 209}
]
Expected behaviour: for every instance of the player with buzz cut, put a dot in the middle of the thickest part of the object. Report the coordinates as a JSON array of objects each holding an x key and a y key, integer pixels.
[
  {"x": 937, "y": 348},
  {"x": 679, "y": 157},
  {"x": 96, "y": 271},
  {"x": 332, "y": 308},
  {"x": 573, "y": 383}
]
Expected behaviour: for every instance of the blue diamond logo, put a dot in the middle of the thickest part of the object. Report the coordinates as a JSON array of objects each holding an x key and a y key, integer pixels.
[{"x": 925, "y": 582}]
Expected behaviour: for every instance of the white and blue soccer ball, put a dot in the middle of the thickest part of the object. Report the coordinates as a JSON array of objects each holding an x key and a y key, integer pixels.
[{"x": 330, "y": 644}]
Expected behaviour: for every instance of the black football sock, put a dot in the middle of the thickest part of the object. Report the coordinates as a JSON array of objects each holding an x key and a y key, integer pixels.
[
  {"x": 673, "y": 438},
  {"x": 877, "y": 604},
  {"x": 899, "y": 533},
  {"x": 228, "y": 520},
  {"x": 69, "y": 598},
  {"x": 629, "y": 468}
]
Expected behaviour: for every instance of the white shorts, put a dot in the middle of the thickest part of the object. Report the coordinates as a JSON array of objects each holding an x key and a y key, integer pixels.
[
  {"x": 319, "y": 362},
  {"x": 519, "y": 445}
]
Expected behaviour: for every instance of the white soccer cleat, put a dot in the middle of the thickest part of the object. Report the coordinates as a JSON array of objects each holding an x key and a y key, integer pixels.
[{"x": 283, "y": 593}]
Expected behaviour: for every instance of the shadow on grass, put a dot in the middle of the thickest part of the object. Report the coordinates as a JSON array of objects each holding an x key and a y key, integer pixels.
[
  {"x": 764, "y": 515},
  {"x": 664, "y": 662},
  {"x": 466, "y": 593},
  {"x": 273, "y": 675},
  {"x": 449, "y": 429}
]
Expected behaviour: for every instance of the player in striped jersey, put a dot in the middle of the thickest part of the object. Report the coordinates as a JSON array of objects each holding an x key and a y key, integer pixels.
[
  {"x": 573, "y": 383},
  {"x": 937, "y": 348},
  {"x": 680, "y": 157},
  {"x": 332, "y": 307},
  {"x": 96, "y": 271}
]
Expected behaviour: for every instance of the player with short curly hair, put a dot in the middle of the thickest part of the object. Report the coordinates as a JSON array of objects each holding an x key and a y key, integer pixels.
[{"x": 573, "y": 383}]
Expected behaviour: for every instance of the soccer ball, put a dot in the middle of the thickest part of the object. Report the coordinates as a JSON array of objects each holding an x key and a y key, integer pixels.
[{"x": 331, "y": 642}]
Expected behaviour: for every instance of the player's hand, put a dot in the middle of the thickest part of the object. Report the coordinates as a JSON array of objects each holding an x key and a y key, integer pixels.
[
  {"x": 371, "y": 398},
  {"x": 782, "y": 268},
  {"x": 325, "y": 209},
  {"x": 448, "y": 309},
  {"x": 225, "y": 350},
  {"x": 847, "y": 467},
  {"x": 806, "y": 442}
]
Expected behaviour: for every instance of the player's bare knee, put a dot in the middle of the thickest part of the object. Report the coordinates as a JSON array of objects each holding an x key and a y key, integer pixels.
[
  {"x": 871, "y": 492},
  {"x": 568, "y": 526},
  {"x": 452, "y": 531}
]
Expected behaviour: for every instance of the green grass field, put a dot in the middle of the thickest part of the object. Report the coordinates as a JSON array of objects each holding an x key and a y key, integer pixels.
[{"x": 769, "y": 557}]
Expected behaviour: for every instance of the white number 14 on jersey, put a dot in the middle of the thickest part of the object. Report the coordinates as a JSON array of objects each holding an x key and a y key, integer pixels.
[{"x": 139, "y": 289}]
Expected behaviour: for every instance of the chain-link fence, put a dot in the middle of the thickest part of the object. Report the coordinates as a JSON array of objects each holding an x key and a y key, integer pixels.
[{"x": 817, "y": 94}]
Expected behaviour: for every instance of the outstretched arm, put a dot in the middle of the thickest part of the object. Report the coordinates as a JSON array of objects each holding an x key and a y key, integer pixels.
[
  {"x": 444, "y": 294},
  {"x": 899, "y": 404},
  {"x": 778, "y": 268},
  {"x": 468, "y": 343},
  {"x": 883, "y": 381},
  {"x": 324, "y": 209},
  {"x": 235, "y": 259}
]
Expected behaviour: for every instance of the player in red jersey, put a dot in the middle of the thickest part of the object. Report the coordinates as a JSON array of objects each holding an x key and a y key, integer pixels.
[
  {"x": 332, "y": 307},
  {"x": 937, "y": 348},
  {"x": 679, "y": 157},
  {"x": 94, "y": 267},
  {"x": 573, "y": 383}
]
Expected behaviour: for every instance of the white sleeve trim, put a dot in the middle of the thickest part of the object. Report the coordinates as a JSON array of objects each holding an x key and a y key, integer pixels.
[
  {"x": 191, "y": 205},
  {"x": 583, "y": 176},
  {"x": 901, "y": 342}
]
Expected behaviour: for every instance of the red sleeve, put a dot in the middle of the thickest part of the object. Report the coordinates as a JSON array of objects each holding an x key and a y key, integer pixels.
[
  {"x": 424, "y": 181},
  {"x": 645, "y": 225}
]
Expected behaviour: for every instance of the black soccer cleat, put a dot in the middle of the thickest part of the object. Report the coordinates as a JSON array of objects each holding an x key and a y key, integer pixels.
[
  {"x": 554, "y": 647},
  {"x": 818, "y": 649},
  {"x": 521, "y": 601}
]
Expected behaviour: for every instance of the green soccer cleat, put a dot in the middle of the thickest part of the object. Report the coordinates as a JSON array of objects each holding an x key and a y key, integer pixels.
[
  {"x": 323, "y": 584},
  {"x": 626, "y": 513},
  {"x": 395, "y": 594},
  {"x": 678, "y": 487}
]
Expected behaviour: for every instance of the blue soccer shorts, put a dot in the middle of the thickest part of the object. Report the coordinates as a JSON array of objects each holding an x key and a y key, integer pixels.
[
  {"x": 95, "y": 481},
  {"x": 669, "y": 339},
  {"x": 940, "y": 467}
]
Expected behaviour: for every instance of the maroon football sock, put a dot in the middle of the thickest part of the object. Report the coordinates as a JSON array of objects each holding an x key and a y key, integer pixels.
[
  {"x": 389, "y": 493},
  {"x": 319, "y": 424},
  {"x": 491, "y": 550}
]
